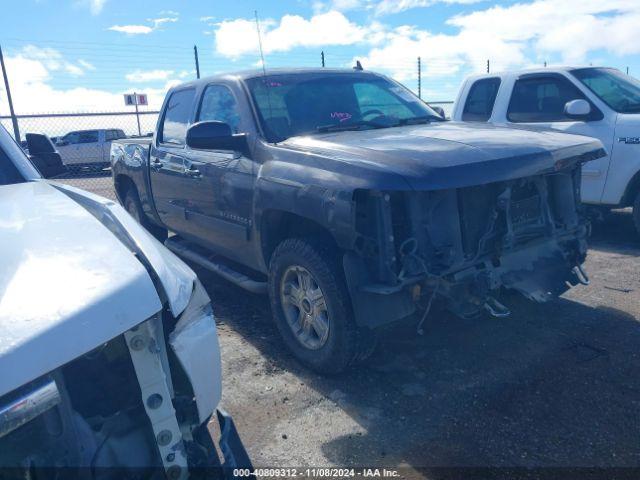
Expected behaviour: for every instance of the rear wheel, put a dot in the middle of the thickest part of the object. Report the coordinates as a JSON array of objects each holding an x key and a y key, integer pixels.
[
  {"x": 133, "y": 206},
  {"x": 312, "y": 307}
]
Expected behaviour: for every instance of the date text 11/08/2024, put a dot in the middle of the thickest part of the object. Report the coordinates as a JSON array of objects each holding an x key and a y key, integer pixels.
[{"x": 316, "y": 472}]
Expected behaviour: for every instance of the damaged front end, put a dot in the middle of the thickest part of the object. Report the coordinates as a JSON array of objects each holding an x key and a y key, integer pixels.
[{"x": 462, "y": 245}]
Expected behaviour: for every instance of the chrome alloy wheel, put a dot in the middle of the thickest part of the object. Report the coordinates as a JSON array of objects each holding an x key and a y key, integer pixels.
[{"x": 304, "y": 306}]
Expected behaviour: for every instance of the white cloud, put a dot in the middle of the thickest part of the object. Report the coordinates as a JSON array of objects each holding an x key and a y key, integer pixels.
[
  {"x": 31, "y": 72},
  {"x": 54, "y": 61},
  {"x": 239, "y": 37},
  {"x": 148, "y": 76},
  {"x": 382, "y": 7},
  {"x": 94, "y": 6},
  {"x": 86, "y": 65},
  {"x": 131, "y": 29},
  {"x": 385, "y": 7},
  {"x": 571, "y": 28},
  {"x": 155, "y": 23},
  {"x": 512, "y": 37}
]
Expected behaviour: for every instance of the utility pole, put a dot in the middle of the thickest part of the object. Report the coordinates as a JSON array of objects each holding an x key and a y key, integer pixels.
[
  {"x": 14, "y": 120},
  {"x": 419, "y": 77},
  {"x": 488, "y": 69},
  {"x": 135, "y": 97},
  {"x": 322, "y": 58},
  {"x": 545, "y": 64},
  {"x": 627, "y": 70},
  {"x": 195, "y": 54}
]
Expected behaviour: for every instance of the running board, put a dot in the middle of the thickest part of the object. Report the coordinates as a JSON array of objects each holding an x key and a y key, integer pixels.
[{"x": 197, "y": 255}]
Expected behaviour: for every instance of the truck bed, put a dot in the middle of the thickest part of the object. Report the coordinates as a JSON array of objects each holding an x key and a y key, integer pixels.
[{"x": 132, "y": 152}]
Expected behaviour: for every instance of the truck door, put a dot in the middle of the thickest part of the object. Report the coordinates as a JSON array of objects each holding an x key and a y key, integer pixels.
[
  {"x": 538, "y": 100},
  {"x": 169, "y": 185},
  {"x": 220, "y": 182}
]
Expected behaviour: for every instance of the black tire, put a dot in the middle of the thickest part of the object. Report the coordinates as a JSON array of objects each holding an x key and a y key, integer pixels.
[
  {"x": 346, "y": 343},
  {"x": 636, "y": 213},
  {"x": 133, "y": 206}
]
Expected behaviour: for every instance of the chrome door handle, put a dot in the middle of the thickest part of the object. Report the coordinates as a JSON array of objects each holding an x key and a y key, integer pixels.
[
  {"x": 156, "y": 165},
  {"x": 192, "y": 172}
]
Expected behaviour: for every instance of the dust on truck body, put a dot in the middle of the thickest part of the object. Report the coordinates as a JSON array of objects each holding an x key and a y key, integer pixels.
[{"x": 343, "y": 186}]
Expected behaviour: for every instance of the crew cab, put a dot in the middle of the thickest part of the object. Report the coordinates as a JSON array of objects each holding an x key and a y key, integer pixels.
[
  {"x": 88, "y": 149},
  {"x": 599, "y": 102},
  {"x": 354, "y": 204},
  {"x": 109, "y": 357}
]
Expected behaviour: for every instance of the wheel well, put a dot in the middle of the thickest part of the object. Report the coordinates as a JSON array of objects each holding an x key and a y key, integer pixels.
[
  {"x": 122, "y": 184},
  {"x": 277, "y": 226}
]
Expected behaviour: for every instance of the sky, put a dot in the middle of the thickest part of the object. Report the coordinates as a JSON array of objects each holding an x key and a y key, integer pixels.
[{"x": 83, "y": 55}]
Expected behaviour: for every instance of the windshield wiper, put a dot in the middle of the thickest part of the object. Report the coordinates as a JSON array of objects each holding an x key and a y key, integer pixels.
[
  {"x": 341, "y": 127},
  {"x": 416, "y": 120},
  {"x": 632, "y": 108}
]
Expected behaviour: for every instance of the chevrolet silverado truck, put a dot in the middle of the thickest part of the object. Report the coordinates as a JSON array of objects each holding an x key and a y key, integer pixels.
[
  {"x": 109, "y": 358},
  {"x": 354, "y": 204},
  {"x": 603, "y": 103}
]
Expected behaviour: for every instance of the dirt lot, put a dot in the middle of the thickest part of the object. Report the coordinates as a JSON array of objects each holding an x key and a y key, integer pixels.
[{"x": 555, "y": 385}]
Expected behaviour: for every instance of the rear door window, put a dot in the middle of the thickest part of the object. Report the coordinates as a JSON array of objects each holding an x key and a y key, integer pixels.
[
  {"x": 480, "y": 100},
  {"x": 90, "y": 136},
  {"x": 176, "y": 117},
  {"x": 541, "y": 99}
]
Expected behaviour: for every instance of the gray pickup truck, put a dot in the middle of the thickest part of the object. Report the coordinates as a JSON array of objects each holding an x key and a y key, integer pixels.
[{"x": 354, "y": 204}]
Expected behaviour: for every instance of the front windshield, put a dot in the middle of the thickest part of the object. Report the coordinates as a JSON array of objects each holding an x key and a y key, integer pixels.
[
  {"x": 621, "y": 92},
  {"x": 304, "y": 103}
]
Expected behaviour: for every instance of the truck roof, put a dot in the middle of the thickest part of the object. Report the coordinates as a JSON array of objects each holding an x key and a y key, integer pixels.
[
  {"x": 515, "y": 73},
  {"x": 254, "y": 73}
]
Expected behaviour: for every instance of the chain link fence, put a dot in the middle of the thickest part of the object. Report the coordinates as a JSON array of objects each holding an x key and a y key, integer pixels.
[{"x": 84, "y": 142}]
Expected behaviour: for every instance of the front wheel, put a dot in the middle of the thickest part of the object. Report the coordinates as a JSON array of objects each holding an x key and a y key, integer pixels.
[{"x": 312, "y": 307}]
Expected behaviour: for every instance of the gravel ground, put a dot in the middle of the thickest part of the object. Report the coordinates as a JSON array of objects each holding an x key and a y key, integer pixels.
[{"x": 554, "y": 385}]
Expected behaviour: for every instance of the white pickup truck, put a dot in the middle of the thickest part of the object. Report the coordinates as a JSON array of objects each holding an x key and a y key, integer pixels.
[
  {"x": 599, "y": 102},
  {"x": 87, "y": 148},
  {"x": 109, "y": 358}
]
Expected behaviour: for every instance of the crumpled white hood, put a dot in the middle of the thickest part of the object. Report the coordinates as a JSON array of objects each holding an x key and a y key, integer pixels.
[{"x": 67, "y": 284}]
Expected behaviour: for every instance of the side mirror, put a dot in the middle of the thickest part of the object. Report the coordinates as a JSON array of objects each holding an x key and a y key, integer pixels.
[
  {"x": 62, "y": 143},
  {"x": 577, "y": 109},
  {"x": 215, "y": 135},
  {"x": 439, "y": 111}
]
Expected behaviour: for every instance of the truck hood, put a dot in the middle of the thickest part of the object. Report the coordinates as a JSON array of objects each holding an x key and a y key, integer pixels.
[
  {"x": 452, "y": 154},
  {"x": 68, "y": 284}
]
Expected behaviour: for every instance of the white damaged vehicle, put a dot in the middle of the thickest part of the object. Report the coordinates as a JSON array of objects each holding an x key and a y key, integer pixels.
[{"x": 109, "y": 356}]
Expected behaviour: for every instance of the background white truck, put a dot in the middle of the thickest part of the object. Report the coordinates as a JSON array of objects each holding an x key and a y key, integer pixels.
[
  {"x": 87, "y": 148},
  {"x": 599, "y": 102}
]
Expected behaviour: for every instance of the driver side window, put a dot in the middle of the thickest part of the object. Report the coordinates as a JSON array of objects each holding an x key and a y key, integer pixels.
[
  {"x": 71, "y": 138},
  {"x": 219, "y": 104},
  {"x": 541, "y": 99}
]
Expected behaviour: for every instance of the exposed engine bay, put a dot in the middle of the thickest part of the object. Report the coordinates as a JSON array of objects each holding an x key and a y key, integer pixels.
[
  {"x": 88, "y": 418},
  {"x": 463, "y": 245}
]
